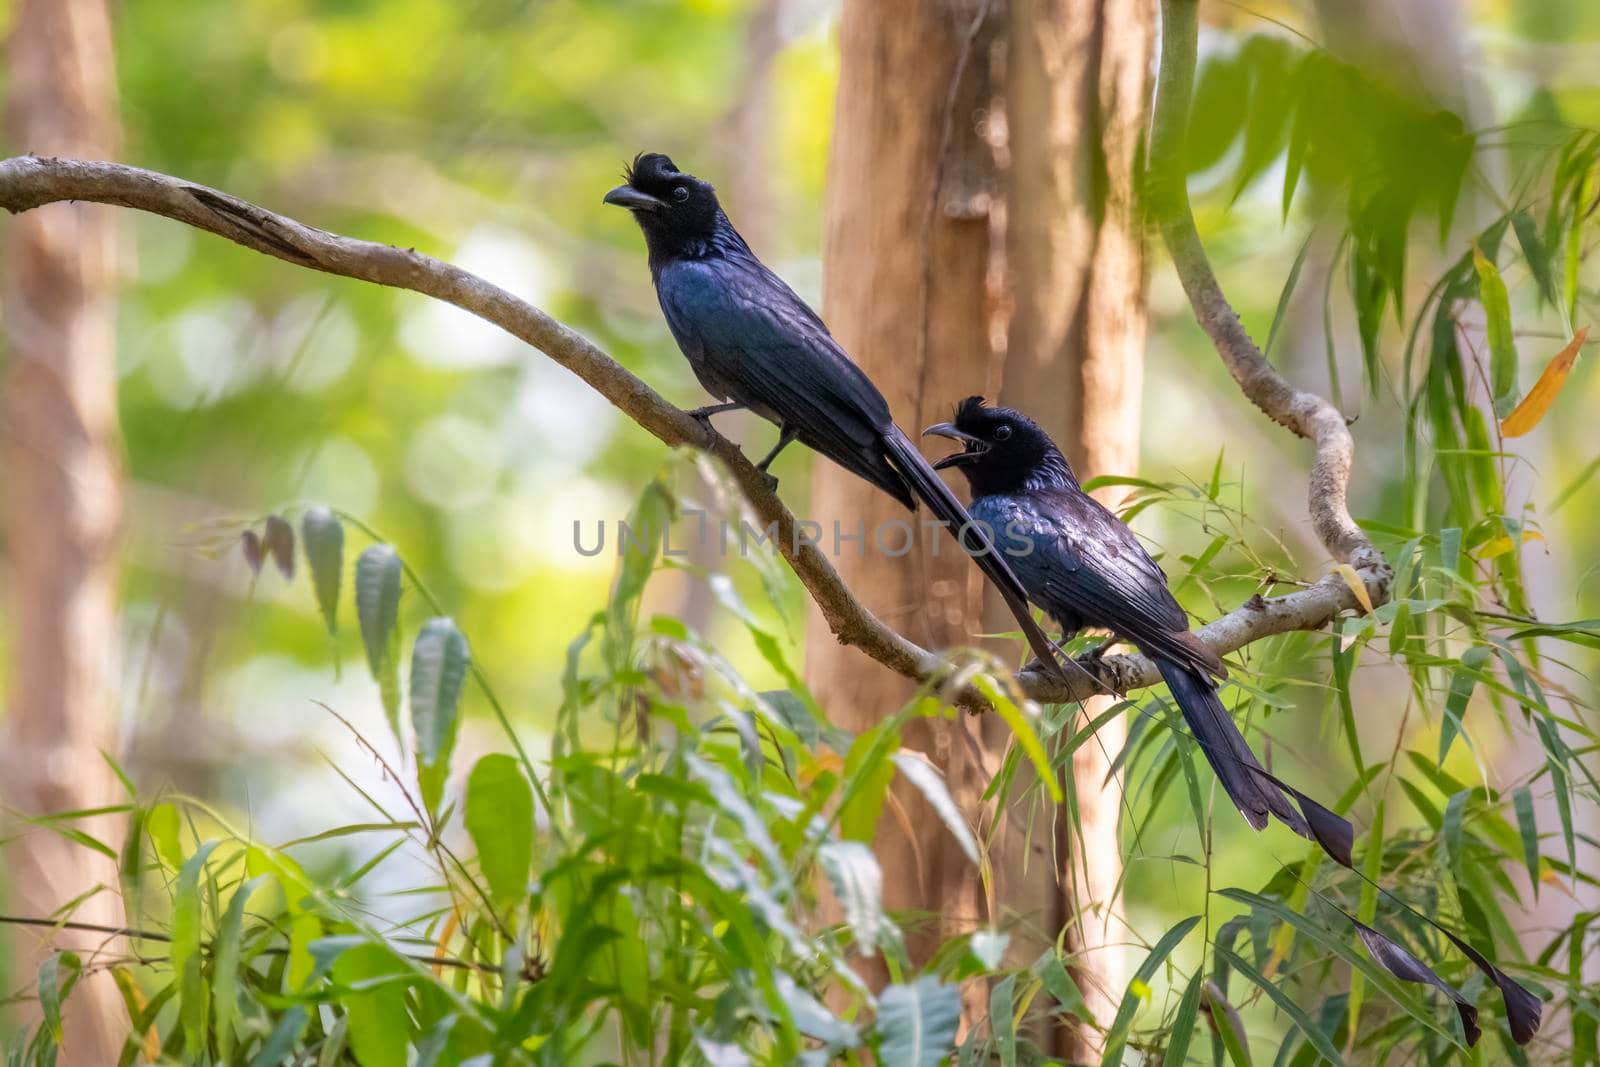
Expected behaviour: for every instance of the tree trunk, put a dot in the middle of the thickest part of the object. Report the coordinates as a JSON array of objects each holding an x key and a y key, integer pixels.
[
  {"x": 907, "y": 257},
  {"x": 63, "y": 491},
  {"x": 1076, "y": 93},
  {"x": 918, "y": 224}
]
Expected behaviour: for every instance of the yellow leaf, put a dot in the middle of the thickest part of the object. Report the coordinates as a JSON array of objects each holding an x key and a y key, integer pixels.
[
  {"x": 441, "y": 949},
  {"x": 1357, "y": 586},
  {"x": 823, "y": 763},
  {"x": 1526, "y": 415},
  {"x": 1502, "y": 544}
]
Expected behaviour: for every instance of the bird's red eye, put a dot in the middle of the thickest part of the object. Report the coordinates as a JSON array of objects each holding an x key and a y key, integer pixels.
[
  {"x": 681, "y": 193},
  {"x": 1002, "y": 432}
]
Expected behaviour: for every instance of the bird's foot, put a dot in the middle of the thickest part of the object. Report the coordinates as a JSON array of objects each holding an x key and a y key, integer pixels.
[
  {"x": 770, "y": 481},
  {"x": 702, "y": 415},
  {"x": 1098, "y": 652}
]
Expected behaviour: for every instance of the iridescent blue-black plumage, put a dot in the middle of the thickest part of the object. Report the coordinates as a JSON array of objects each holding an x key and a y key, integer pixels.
[
  {"x": 1084, "y": 567},
  {"x": 751, "y": 340}
]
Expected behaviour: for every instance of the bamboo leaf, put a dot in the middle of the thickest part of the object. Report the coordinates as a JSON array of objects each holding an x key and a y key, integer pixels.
[
  {"x": 280, "y": 1043},
  {"x": 1183, "y": 1023},
  {"x": 1032, "y": 747},
  {"x": 1229, "y": 1026},
  {"x": 930, "y": 783},
  {"x": 186, "y": 960},
  {"x": 1060, "y": 985},
  {"x": 439, "y": 661},
  {"x": 378, "y": 611},
  {"x": 1002, "y": 1021},
  {"x": 1528, "y": 828},
  {"x": 323, "y": 538},
  {"x": 1526, "y": 415},
  {"x": 1502, "y": 346},
  {"x": 52, "y": 990},
  {"x": 1296, "y": 1014},
  {"x": 1117, "y": 1036},
  {"x": 1537, "y": 256},
  {"x": 225, "y": 977}
]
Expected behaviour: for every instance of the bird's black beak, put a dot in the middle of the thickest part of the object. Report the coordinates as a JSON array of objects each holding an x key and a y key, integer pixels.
[
  {"x": 632, "y": 199},
  {"x": 976, "y": 447}
]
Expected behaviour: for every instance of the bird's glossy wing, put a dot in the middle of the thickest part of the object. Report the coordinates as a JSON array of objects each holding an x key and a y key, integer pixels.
[
  {"x": 755, "y": 335},
  {"x": 1083, "y": 562}
]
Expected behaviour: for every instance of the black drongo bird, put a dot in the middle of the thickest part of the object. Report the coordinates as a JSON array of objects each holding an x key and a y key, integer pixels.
[
  {"x": 755, "y": 344},
  {"x": 1084, "y": 567}
]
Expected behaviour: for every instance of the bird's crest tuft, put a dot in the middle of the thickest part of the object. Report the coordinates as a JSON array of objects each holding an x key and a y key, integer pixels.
[
  {"x": 647, "y": 167},
  {"x": 970, "y": 408}
]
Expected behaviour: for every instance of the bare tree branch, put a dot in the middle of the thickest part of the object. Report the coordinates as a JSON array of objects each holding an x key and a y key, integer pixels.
[
  {"x": 1303, "y": 413},
  {"x": 28, "y": 182}
]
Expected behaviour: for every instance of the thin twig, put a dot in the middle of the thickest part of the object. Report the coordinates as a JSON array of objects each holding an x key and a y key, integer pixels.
[{"x": 136, "y": 934}]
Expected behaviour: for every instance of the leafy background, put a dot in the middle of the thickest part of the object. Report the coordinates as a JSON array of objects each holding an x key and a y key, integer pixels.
[{"x": 485, "y": 132}]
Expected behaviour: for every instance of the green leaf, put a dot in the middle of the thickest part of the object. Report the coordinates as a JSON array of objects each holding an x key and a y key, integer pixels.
[
  {"x": 1528, "y": 827},
  {"x": 280, "y": 1044},
  {"x": 499, "y": 819},
  {"x": 732, "y": 802},
  {"x": 1312, "y": 1032},
  {"x": 186, "y": 959},
  {"x": 1450, "y": 549},
  {"x": 1117, "y": 1036},
  {"x": 1029, "y": 741},
  {"x": 163, "y": 825},
  {"x": 639, "y": 543},
  {"x": 867, "y": 774},
  {"x": 439, "y": 660},
  {"x": 1454, "y": 812},
  {"x": 225, "y": 978},
  {"x": 1502, "y": 346},
  {"x": 1367, "y": 909},
  {"x": 1461, "y": 687},
  {"x": 378, "y": 611},
  {"x": 379, "y": 1024},
  {"x": 1286, "y": 294},
  {"x": 916, "y": 1024},
  {"x": 323, "y": 538},
  {"x": 1183, "y": 1023},
  {"x": 50, "y": 990},
  {"x": 857, "y": 883},
  {"x": 1002, "y": 1021},
  {"x": 1059, "y": 984},
  {"x": 930, "y": 783},
  {"x": 812, "y": 1018},
  {"x": 1534, "y": 252},
  {"x": 1230, "y": 1028}
]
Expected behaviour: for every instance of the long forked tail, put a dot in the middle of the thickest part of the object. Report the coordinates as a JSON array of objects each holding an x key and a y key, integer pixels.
[
  {"x": 931, "y": 490},
  {"x": 1255, "y": 794}
]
